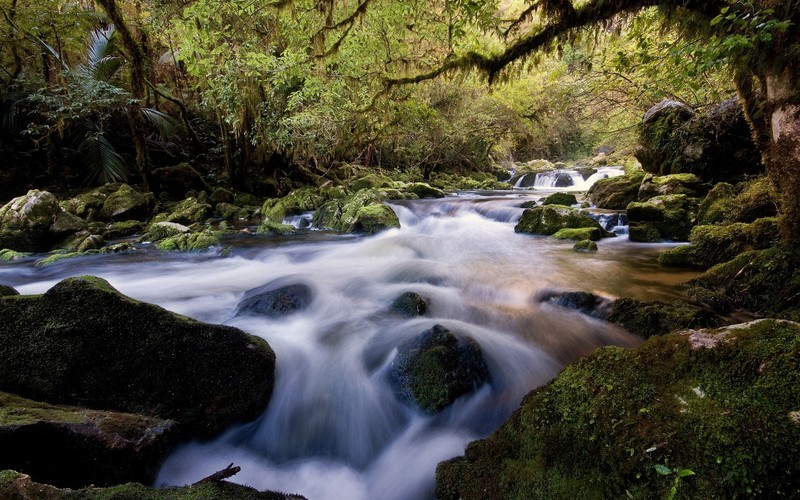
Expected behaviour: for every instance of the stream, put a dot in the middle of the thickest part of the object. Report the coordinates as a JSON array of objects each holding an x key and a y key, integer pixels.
[{"x": 334, "y": 427}]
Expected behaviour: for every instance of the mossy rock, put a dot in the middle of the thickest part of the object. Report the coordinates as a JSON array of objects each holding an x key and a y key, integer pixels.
[
  {"x": 88, "y": 205},
  {"x": 294, "y": 203},
  {"x": 435, "y": 369},
  {"x": 718, "y": 204},
  {"x": 672, "y": 216},
  {"x": 579, "y": 234},
  {"x": 14, "y": 485},
  {"x": 584, "y": 246},
  {"x": 178, "y": 180},
  {"x": 76, "y": 447},
  {"x": 34, "y": 222},
  {"x": 188, "y": 242},
  {"x": 424, "y": 190},
  {"x": 162, "y": 230},
  {"x": 616, "y": 193},
  {"x": 372, "y": 181},
  {"x": 82, "y": 342},
  {"x": 409, "y": 305},
  {"x": 7, "y": 291},
  {"x": 81, "y": 242},
  {"x": 551, "y": 219},
  {"x": 221, "y": 195},
  {"x": 764, "y": 282},
  {"x": 715, "y": 145},
  {"x": 8, "y": 255},
  {"x": 657, "y": 317},
  {"x": 230, "y": 212},
  {"x": 275, "y": 229},
  {"x": 127, "y": 204},
  {"x": 341, "y": 214},
  {"x": 566, "y": 199},
  {"x": 688, "y": 184},
  {"x": 585, "y": 302},
  {"x": 186, "y": 212},
  {"x": 374, "y": 218},
  {"x": 715, "y": 244},
  {"x": 722, "y": 404},
  {"x": 122, "y": 229}
]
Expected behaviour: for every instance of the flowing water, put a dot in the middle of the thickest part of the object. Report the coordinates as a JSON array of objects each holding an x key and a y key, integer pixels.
[{"x": 334, "y": 428}]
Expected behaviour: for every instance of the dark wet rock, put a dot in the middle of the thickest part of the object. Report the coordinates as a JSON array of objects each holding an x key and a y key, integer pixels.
[
  {"x": 565, "y": 199},
  {"x": 7, "y": 291},
  {"x": 585, "y": 302},
  {"x": 715, "y": 145},
  {"x": 83, "y": 342},
  {"x": 436, "y": 368},
  {"x": 616, "y": 193},
  {"x": 410, "y": 305},
  {"x": 552, "y": 218},
  {"x": 275, "y": 300},
  {"x": 221, "y": 195},
  {"x": 657, "y": 317},
  {"x": 178, "y": 180},
  {"x": 76, "y": 447},
  {"x": 17, "y": 486},
  {"x": 690, "y": 401},
  {"x": 127, "y": 204},
  {"x": 122, "y": 229}
]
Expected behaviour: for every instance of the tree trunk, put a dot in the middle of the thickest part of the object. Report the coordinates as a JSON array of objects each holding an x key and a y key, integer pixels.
[
  {"x": 136, "y": 58},
  {"x": 782, "y": 153}
]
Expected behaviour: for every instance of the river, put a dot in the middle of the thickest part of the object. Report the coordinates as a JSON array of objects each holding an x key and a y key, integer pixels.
[{"x": 334, "y": 428}]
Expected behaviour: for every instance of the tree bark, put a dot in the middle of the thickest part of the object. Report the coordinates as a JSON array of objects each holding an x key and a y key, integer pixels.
[{"x": 136, "y": 58}]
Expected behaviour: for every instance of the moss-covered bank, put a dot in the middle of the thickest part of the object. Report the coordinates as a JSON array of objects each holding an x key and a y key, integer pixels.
[{"x": 723, "y": 404}]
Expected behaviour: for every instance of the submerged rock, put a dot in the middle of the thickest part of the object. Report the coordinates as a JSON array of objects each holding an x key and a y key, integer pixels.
[
  {"x": 585, "y": 246},
  {"x": 550, "y": 219},
  {"x": 612, "y": 424},
  {"x": 409, "y": 305},
  {"x": 585, "y": 302},
  {"x": 76, "y": 447},
  {"x": 83, "y": 342},
  {"x": 14, "y": 485},
  {"x": 436, "y": 368},
  {"x": 274, "y": 300}
]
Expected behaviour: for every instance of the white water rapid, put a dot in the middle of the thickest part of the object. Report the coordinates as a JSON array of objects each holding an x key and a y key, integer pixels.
[
  {"x": 334, "y": 428},
  {"x": 566, "y": 179}
]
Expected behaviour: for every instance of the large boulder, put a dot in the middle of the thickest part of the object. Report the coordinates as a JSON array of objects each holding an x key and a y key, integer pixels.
[
  {"x": 17, "y": 486},
  {"x": 667, "y": 217},
  {"x": 657, "y": 317},
  {"x": 127, "y": 204},
  {"x": 374, "y": 218},
  {"x": 342, "y": 214},
  {"x": 178, "y": 180},
  {"x": 35, "y": 222},
  {"x": 716, "y": 145},
  {"x": 276, "y": 299},
  {"x": 744, "y": 202},
  {"x": 83, "y": 342},
  {"x": 615, "y": 193},
  {"x": 436, "y": 368},
  {"x": 88, "y": 204},
  {"x": 186, "y": 212},
  {"x": 711, "y": 413},
  {"x": 550, "y": 219},
  {"x": 76, "y": 447},
  {"x": 657, "y": 185}
]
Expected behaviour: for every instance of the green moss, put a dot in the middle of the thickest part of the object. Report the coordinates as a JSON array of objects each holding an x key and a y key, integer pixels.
[
  {"x": 186, "y": 212},
  {"x": 372, "y": 181},
  {"x": 657, "y": 317},
  {"x": 6, "y": 254},
  {"x": 424, "y": 190},
  {"x": 122, "y": 229},
  {"x": 188, "y": 242},
  {"x": 681, "y": 256},
  {"x": 585, "y": 246},
  {"x": 578, "y": 234},
  {"x": 617, "y": 192},
  {"x": 552, "y": 218},
  {"x": 374, "y": 218},
  {"x": 56, "y": 257},
  {"x": 688, "y": 184},
  {"x": 296, "y": 202},
  {"x": 126, "y": 203},
  {"x": 601, "y": 426},
  {"x": 274, "y": 228},
  {"x": 231, "y": 212},
  {"x": 7, "y": 291},
  {"x": 565, "y": 199},
  {"x": 17, "y": 411},
  {"x": 671, "y": 216},
  {"x": 718, "y": 204}
]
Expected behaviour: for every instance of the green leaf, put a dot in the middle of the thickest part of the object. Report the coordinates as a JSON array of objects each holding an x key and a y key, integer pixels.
[
  {"x": 685, "y": 473},
  {"x": 663, "y": 470}
]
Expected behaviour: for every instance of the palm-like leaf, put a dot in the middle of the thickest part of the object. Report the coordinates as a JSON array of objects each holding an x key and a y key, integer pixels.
[
  {"x": 166, "y": 125},
  {"x": 102, "y": 160},
  {"x": 100, "y": 63}
]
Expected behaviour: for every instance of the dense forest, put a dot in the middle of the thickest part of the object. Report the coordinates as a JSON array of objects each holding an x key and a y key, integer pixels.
[{"x": 186, "y": 125}]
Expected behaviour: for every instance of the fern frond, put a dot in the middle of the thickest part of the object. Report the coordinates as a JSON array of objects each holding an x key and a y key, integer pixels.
[
  {"x": 166, "y": 125},
  {"x": 102, "y": 159}
]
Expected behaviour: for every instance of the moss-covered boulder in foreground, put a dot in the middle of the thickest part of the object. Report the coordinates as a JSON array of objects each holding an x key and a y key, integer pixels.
[
  {"x": 436, "y": 368},
  {"x": 75, "y": 447},
  {"x": 7, "y": 291},
  {"x": 17, "y": 486},
  {"x": 616, "y": 193},
  {"x": 551, "y": 219},
  {"x": 624, "y": 423},
  {"x": 83, "y": 342}
]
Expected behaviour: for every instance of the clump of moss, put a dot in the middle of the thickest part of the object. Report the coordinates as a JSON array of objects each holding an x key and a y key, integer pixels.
[
  {"x": 186, "y": 212},
  {"x": 374, "y": 218},
  {"x": 718, "y": 403},
  {"x": 657, "y": 317},
  {"x": 585, "y": 246},
  {"x": 669, "y": 217},
  {"x": 565, "y": 199},
  {"x": 275, "y": 229},
  {"x": 122, "y": 229},
  {"x": 6, "y": 254},
  {"x": 579, "y": 234},
  {"x": 294, "y": 203},
  {"x": 188, "y": 242},
  {"x": 617, "y": 192}
]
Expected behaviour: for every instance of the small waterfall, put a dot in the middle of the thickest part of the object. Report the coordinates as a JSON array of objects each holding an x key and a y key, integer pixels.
[
  {"x": 558, "y": 179},
  {"x": 566, "y": 180},
  {"x": 301, "y": 221}
]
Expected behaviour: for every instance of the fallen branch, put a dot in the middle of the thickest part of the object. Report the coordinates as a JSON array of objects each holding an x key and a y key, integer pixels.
[{"x": 221, "y": 475}]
